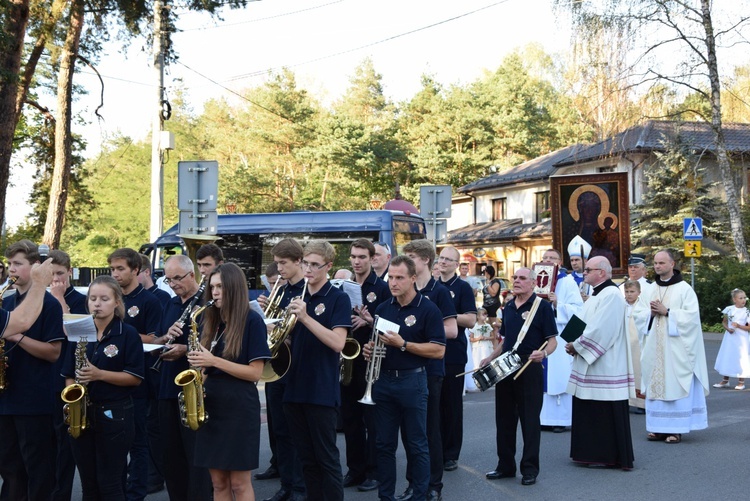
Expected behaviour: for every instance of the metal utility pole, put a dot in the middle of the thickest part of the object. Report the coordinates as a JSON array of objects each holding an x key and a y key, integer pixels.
[{"x": 157, "y": 173}]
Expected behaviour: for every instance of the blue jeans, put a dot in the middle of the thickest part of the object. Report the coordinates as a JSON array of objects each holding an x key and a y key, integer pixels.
[{"x": 401, "y": 400}]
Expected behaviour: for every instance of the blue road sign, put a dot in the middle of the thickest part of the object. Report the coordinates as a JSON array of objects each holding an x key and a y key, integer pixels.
[{"x": 692, "y": 228}]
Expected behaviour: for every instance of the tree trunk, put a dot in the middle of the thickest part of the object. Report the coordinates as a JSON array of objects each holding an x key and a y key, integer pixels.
[
  {"x": 14, "y": 27},
  {"x": 727, "y": 177},
  {"x": 63, "y": 142}
]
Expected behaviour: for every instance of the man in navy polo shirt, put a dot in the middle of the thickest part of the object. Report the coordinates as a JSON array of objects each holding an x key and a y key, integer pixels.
[
  {"x": 381, "y": 259},
  {"x": 359, "y": 422},
  {"x": 143, "y": 312},
  {"x": 521, "y": 398},
  {"x": 287, "y": 254},
  {"x": 451, "y": 397},
  {"x": 208, "y": 257},
  {"x": 423, "y": 254},
  {"x": 73, "y": 302},
  {"x": 312, "y": 392},
  {"x": 27, "y": 403},
  {"x": 147, "y": 281},
  {"x": 184, "y": 480},
  {"x": 400, "y": 393}
]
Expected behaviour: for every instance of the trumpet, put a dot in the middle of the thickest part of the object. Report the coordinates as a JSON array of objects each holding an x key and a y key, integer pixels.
[
  {"x": 281, "y": 357},
  {"x": 3, "y": 357},
  {"x": 373, "y": 366},
  {"x": 351, "y": 351},
  {"x": 183, "y": 318}
]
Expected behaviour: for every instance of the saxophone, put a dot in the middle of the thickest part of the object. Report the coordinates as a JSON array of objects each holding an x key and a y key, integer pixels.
[
  {"x": 191, "y": 399},
  {"x": 3, "y": 358},
  {"x": 76, "y": 397}
]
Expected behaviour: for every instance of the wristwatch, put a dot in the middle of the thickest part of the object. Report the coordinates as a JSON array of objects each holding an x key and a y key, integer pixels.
[{"x": 403, "y": 348}]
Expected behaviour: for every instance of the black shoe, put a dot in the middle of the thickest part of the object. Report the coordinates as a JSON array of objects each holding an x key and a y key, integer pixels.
[
  {"x": 281, "y": 495},
  {"x": 434, "y": 496},
  {"x": 270, "y": 473},
  {"x": 528, "y": 480},
  {"x": 407, "y": 495},
  {"x": 351, "y": 480},
  {"x": 450, "y": 465},
  {"x": 497, "y": 475},
  {"x": 368, "y": 485},
  {"x": 558, "y": 429}
]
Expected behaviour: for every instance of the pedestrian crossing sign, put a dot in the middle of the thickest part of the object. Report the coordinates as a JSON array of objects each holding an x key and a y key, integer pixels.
[
  {"x": 692, "y": 228},
  {"x": 693, "y": 248}
]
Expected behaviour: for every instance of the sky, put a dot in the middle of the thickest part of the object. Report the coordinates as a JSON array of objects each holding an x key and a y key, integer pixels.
[{"x": 322, "y": 41}]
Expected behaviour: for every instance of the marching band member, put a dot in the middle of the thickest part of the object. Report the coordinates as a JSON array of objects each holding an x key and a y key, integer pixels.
[
  {"x": 184, "y": 480},
  {"x": 26, "y": 405},
  {"x": 400, "y": 393},
  {"x": 232, "y": 355},
  {"x": 358, "y": 419},
  {"x": 312, "y": 393},
  {"x": 114, "y": 367},
  {"x": 288, "y": 255}
]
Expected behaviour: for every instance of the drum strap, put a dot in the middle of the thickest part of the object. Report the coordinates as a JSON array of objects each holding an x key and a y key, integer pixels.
[{"x": 527, "y": 323}]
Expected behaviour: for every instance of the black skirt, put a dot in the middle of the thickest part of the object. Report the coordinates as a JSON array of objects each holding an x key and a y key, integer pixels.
[
  {"x": 601, "y": 433},
  {"x": 230, "y": 438}
]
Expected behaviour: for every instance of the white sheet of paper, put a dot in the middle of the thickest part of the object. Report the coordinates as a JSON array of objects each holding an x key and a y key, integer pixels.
[
  {"x": 384, "y": 325},
  {"x": 78, "y": 327},
  {"x": 271, "y": 320},
  {"x": 152, "y": 347}
]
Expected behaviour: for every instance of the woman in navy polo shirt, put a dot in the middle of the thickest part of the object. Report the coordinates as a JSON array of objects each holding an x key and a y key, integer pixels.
[
  {"x": 233, "y": 351},
  {"x": 114, "y": 369}
]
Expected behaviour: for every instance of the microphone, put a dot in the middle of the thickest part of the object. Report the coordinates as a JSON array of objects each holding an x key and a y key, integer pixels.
[{"x": 43, "y": 252}]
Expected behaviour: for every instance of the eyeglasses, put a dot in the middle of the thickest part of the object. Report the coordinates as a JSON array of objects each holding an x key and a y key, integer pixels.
[
  {"x": 313, "y": 266},
  {"x": 519, "y": 277},
  {"x": 589, "y": 270},
  {"x": 450, "y": 260},
  {"x": 172, "y": 280}
]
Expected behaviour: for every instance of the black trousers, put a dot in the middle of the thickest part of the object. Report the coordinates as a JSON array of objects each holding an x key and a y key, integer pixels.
[
  {"x": 313, "y": 429},
  {"x": 65, "y": 468},
  {"x": 519, "y": 400},
  {"x": 359, "y": 425},
  {"x": 185, "y": 482},
  {"x": 101, "y": 452},
  {"x": 452, "y": 411},
  {"x": 27, "y": 458},
  {"x": 434, "y": 440}
]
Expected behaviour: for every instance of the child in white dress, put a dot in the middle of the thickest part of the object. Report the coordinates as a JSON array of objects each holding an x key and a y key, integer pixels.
[
  {"x": 733, "y": 359},
  {"x": 481, "y": 337}
]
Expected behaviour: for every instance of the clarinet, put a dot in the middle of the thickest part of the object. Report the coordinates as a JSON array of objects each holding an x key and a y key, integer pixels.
[{"x": 183, "y": 318}]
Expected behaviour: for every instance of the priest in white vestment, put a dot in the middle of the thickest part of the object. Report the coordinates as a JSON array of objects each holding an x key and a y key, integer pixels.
[{"x": 673, "y": 360}]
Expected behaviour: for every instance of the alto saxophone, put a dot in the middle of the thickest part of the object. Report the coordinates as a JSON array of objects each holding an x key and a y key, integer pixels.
[
  {"x": 76, "y": 396},
  {"x": 3, "y": 358},
  {"x": 191, "y": 399}
]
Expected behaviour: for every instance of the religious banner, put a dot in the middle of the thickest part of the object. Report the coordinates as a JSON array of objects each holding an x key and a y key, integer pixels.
[{"x": 594, "y": 207}]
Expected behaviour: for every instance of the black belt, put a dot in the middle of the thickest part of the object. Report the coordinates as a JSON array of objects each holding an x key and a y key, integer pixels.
[{"x": 402, "y": 372}]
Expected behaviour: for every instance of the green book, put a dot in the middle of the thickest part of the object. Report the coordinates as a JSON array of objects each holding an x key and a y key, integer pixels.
[{"x": 574, "y": 329}]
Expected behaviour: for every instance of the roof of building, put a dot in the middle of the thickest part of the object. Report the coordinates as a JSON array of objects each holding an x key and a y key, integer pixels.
[
  {"x": 505, "y": 230},
  {"x": 539, "y": 168},
  {"x": 653, "y": 135}
]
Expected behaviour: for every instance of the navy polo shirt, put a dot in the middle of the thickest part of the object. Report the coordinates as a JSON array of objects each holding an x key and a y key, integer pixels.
[
  {"x": 420, "y": 321},
  {"x": 441, "y": 296},
  {"x": 76, "y": 301},
  {"x": 31, "y": 381},
  {"x": 542, "y": 327},
  {"x": 463, "y": 299},
  {"x": 170, "y": 369},
  {"x": 162, "y": 295},
  {"x": 119, "y": 350},
  {"x": 142, "y": 311},
  {"x": 374, "y": 292},
  {"x": 253, "y": 347},
  {"x": 313, "y": 377},
  {"x": 290, "y": 291}
]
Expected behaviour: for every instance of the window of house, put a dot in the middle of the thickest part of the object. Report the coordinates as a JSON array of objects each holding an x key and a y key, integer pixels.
[
  {"x": 542, "y": 206},
  {"x": 606, "y": 169},
  {"x": 499, "y": 209}
]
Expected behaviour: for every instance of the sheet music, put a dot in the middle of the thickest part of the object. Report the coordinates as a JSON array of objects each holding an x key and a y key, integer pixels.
[
  {"x": 352, "y": 289},
  {"x": 384, "y": 325},
  {"x": 78, "y": 327}
]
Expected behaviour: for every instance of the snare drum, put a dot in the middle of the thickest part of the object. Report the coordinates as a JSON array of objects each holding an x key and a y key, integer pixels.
[{"x": 497, "y": 370}]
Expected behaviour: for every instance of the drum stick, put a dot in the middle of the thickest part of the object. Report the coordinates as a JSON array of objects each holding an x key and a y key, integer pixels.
[
  {"x": 472, "y": 371},
  {"x": 527, "y": 363}
]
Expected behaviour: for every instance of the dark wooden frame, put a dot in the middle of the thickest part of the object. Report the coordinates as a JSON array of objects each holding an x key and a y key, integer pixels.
[{"x": 610, "y": 189}]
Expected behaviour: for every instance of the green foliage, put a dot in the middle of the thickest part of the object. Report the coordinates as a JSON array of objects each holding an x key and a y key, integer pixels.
[{"x": 714, "y": 280}]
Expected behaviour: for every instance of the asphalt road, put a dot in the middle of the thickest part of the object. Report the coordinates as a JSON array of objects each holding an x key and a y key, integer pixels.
[{"x": 708, "y": 464}]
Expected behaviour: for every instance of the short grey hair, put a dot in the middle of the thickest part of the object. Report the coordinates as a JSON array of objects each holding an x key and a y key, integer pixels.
[{"x": 183, "y": 261}]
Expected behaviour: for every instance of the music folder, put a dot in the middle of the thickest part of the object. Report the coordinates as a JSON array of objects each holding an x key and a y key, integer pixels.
[{"x": 574, "y": 329}]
